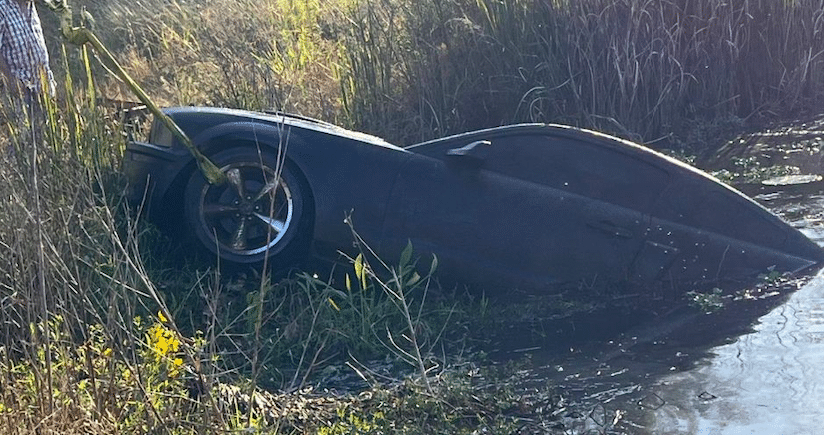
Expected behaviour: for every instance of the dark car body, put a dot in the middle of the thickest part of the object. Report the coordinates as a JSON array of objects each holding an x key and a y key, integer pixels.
[{"x": 527, "y": 205}]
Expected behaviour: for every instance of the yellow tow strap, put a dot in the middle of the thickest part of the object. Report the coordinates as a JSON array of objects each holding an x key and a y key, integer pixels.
[{"x": 81, "y": 35}]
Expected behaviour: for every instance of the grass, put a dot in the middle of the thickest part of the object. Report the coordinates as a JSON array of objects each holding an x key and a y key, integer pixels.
[
  {"x": 96, "y": 342},
  {"x": 106, "y": 332},
  {"x": 228, "y": 53},
  {"x": 654, "y": 72}
]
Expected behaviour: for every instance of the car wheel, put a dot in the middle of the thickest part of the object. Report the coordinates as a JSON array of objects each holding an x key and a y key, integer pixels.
[{"x": 257, "y": 213}]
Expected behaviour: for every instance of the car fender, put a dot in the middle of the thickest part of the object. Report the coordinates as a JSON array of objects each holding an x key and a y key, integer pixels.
[{"x": 342, "y": 174}]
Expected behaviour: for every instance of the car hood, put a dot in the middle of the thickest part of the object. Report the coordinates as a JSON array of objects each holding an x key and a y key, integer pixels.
[{"x": 194, "y": 120}]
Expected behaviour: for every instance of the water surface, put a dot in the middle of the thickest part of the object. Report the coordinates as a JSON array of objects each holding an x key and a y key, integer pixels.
[
  {"x": 770, "y": 381},
  {"x": 755, "y": 367}
]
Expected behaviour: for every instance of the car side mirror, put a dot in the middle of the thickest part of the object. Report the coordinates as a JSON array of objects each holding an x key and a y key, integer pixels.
[{"x": 475, "y": 151}]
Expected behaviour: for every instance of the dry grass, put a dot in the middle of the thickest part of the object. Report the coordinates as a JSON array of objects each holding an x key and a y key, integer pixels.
[
  {"x": 409, "y": 71},
  {"x": 248, "y": 54},
  {"x": 73, "y": 276},
  {"x": 94, "y": 342}
]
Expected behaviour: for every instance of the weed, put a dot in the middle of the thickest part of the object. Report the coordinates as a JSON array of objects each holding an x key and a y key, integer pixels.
[
  {"x": 665, "y": 73},
  {"x": 707, "y": 302},
  {"x": 750, "y": 170}
]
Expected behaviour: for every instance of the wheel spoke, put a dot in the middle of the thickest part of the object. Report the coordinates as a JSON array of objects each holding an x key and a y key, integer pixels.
[
  {"x": 267, "y": 188},
  {"x": 233, "y": 175},
  {"x": 275, "y": 224},
  {"x": 218, "y": 209},
  {"x": 239, "y": 238}
]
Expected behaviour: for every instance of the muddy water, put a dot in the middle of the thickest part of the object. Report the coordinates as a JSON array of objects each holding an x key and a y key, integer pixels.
[{"x": 756, "y": 367}]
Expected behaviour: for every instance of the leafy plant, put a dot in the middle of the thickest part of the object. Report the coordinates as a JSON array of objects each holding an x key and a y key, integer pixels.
[
  {"x": 707, "y": 302},
  {"x": 750, "y": 170}
]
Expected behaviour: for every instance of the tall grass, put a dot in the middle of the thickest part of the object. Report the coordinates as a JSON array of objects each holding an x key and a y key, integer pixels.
[
  {"x": 256, "y": 55},
  {"x": 645, "y": 70},
  {"x": 641, "y": 69},
  {"x": 67, "y": 258},
  {"x": 96, "y": 342}
]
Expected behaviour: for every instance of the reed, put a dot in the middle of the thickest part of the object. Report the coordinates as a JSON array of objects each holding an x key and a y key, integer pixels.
[
  {"x": 100, "y": 323},
  {"x": 646, "y": 70}
]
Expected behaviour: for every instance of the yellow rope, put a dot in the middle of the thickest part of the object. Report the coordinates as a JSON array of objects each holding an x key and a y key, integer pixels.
[{"x": 81, "y": 35}]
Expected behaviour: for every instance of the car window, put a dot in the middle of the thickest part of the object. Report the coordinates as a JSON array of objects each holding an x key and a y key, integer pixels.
[
  {"x": 592, "y": 169},
  {"x": 755, "y": 227}
]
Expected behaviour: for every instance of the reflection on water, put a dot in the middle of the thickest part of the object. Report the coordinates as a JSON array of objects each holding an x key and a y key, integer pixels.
[
  {"x": 766, "y": 382},
  {"x": 765, "y": 377}
]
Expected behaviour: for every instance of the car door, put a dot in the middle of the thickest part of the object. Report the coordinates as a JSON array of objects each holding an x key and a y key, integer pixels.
[{"x": 530, "y": 209}]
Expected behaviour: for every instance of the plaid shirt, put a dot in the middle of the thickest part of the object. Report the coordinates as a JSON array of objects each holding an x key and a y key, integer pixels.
[{"x": 22, "y": 47}]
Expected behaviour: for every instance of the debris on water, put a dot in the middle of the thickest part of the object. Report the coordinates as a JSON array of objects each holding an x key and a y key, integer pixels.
[
  {"x": 652, "y": 401},
  {"x": 787, "y": 180},
  {"x": 619, "y": 372}
]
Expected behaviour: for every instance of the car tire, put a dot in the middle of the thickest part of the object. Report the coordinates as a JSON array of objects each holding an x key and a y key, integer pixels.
[{"x": 251, "y": 217}]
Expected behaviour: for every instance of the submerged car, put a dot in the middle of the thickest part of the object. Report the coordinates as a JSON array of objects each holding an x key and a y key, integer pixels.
[{"x": 528, "y": 205}]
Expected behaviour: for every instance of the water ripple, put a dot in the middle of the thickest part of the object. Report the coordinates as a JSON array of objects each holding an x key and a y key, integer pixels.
[{"x": 766, "y": 382}]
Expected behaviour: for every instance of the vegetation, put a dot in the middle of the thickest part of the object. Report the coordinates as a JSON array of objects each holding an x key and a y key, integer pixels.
[
  {"x": 104, "y": 331},
  {"x": 673, "y": 74}
]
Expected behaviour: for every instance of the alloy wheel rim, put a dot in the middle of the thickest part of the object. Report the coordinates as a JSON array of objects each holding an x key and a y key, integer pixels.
[{"x": 250, "y": 213}]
